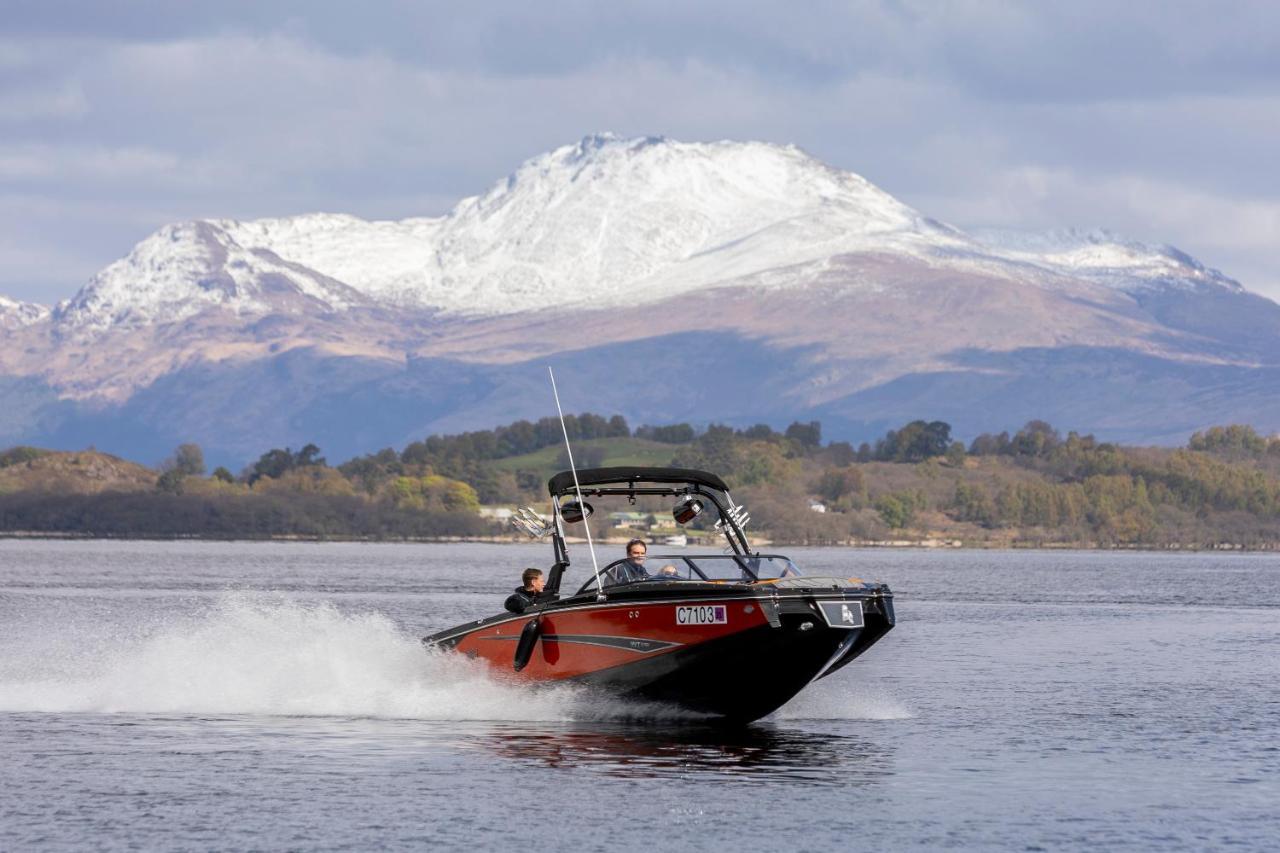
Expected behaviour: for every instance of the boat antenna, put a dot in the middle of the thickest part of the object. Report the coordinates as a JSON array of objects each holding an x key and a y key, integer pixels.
[{"x": 576, "y": 488}]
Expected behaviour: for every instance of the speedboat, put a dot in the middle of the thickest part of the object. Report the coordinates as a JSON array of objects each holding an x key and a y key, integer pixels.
[{"x": 733, "y": 635}]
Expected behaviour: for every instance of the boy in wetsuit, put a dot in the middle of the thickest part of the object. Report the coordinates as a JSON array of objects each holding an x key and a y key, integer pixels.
[{"x": 525, "y": 596}]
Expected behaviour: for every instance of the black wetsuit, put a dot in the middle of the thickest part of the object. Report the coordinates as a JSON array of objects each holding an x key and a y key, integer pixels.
[{"x": 521, "y": 600}]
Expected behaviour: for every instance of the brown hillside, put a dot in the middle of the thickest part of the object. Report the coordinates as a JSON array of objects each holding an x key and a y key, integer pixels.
[{"x": 71, "y": 472}]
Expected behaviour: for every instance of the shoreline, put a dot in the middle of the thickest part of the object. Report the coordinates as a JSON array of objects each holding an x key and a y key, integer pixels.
[{"x": 927, "y": 544}]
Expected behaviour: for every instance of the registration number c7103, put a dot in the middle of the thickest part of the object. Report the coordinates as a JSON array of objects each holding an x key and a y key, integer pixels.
[{"x": 703, "y": 614}]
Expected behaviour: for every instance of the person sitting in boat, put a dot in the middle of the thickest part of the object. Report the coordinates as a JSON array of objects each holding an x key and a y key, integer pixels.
[
  {"x": 668, "y": 572},
  {"x": 632, "y": 568},
  {"x": 526, "y": 596}
]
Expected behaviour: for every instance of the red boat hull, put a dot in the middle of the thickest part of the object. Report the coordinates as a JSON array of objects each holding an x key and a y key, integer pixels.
[
  {"x": 739, "y": 657},
  {"x": 581, "y": 641}
]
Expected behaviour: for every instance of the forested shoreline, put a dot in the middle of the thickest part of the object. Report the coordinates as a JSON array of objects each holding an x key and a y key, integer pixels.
[{"x": 1032, "y": 487}]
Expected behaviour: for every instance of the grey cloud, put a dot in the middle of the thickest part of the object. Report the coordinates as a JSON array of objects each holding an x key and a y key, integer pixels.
[
  {"x": 61, "y": 101},
  {"x": 1088, "y": 48},
  {"x": 981, "y": 113}
]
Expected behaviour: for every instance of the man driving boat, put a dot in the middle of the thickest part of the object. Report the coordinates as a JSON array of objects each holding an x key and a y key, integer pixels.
[{"x": 632, "y": 569}]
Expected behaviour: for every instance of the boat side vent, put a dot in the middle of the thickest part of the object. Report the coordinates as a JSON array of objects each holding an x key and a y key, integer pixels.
[{"x": 769, "y": 608}]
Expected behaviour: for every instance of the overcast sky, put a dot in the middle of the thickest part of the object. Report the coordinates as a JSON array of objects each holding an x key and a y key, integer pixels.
[{"x": 1158, "y": 120}]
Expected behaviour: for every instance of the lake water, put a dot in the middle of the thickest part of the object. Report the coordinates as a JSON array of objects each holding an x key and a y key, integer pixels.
[{"x": 195, "y": 696}]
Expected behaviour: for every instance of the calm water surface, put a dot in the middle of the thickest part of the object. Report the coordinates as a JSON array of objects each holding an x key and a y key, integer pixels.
[{"x": 270, "y": 696}]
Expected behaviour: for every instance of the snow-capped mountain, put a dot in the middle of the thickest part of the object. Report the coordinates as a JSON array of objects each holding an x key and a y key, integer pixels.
[
  {"x": 15, "y": 314},
  {"x": 822, "y": 293},
  {"x": 607, "y": 222},
  {"x": 604, "y": 222},
  {"x": 611, "y": 222},
  {"x": 1105, "y": 257},
  {"x": 185, "y": 269}
]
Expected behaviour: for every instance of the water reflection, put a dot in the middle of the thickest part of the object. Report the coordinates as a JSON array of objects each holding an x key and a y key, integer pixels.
[{"x": 762, "y": 752}]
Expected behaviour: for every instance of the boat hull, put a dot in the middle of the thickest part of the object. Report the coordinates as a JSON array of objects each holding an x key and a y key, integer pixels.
[
  {"x": 741, "y": 677},
  {"x": 737, "y": 653}
]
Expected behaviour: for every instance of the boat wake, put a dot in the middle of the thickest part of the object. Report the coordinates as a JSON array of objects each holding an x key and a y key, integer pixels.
[{"x": 268, "y": 655}]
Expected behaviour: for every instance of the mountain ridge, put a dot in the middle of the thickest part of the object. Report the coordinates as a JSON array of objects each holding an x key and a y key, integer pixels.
[
  {"x": 430, "y": 263},
  {"x": 603, "y": 248}
]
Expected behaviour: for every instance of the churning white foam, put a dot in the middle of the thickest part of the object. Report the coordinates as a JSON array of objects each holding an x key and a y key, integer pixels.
[{"x": 256, "y": 655}]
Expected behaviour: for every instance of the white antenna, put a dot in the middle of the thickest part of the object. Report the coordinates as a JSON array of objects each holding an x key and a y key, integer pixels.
[{"x": 576, "y": 488}]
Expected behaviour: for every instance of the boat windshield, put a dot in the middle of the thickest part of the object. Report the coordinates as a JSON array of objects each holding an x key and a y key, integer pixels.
[{"x": 697, "y": 567}]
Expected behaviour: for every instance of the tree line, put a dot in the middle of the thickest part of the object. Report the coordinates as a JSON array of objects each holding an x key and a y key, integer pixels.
[{"x": 917, "y": 480}]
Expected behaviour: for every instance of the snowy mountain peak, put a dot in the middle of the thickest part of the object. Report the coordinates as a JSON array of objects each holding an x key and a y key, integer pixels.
[
  {"x": 612, "y": 221},
  {"x": 15, "y": 314},
  {"x": 1108, "y": 258},
  {"x": 669, "y": 170},
  {"x": 186, "y": 268},
  {"x": 604, "y": 221}
]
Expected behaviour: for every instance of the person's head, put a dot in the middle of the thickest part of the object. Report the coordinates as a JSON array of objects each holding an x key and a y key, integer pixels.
[
  {"x": 533, "y": 580},
  {"x": 668, "y": 571},
  {"x": 637, "y": 550}
]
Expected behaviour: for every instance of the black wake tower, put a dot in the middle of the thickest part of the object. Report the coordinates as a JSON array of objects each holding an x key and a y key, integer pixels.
[{"x": 630, "y": 481}]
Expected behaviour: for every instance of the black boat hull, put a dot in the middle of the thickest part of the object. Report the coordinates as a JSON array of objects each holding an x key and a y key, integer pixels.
[
  {"x": 772, "y": 644},
  {"x": 740, "y": 678}
]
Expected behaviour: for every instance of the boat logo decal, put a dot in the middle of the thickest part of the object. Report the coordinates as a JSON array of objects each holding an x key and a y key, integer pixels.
[
  {"x": 631, "y": 644},
  {"x": 706, "y": 614},
  {"x": 842, "y": 614},
  {"x": 639, "y": 645}
]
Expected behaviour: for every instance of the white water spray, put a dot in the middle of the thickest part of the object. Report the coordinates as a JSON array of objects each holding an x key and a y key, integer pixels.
[{"x": 268, "y": 655}]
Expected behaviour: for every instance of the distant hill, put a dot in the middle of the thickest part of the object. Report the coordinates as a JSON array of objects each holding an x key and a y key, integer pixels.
[
  {"x": 731, "y": 282},
  {"x": 81, "y": 472}
]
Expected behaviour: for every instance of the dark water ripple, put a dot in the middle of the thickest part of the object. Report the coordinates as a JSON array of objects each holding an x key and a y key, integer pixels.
[{"x": 197, "y": 696}]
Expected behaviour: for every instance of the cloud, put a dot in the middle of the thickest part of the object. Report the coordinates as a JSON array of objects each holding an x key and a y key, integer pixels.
[
  {"x": 1155, "y": 124},
  {"x": 121, "y": 167},
  {"x": 50, "y": 246},
  {"x": 64, "y": 101}
]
